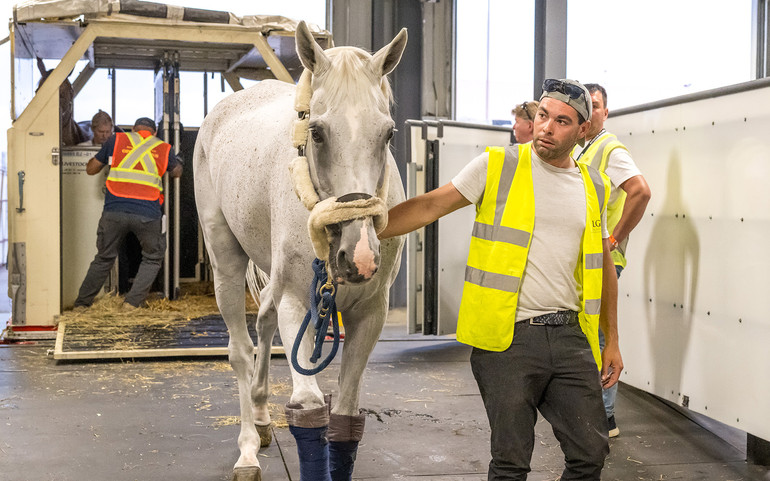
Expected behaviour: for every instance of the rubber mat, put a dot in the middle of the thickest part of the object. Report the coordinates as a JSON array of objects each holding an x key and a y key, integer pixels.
[{"x": 202, "y": 336}]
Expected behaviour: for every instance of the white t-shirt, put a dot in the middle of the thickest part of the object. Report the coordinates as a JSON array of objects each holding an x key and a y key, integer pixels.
[
  {"x": 548, "y": 284},
  {"x": 620, "y": 168}
]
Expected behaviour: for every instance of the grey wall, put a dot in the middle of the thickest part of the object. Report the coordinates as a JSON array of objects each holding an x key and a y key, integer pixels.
[{"x": 372, "y": 25}]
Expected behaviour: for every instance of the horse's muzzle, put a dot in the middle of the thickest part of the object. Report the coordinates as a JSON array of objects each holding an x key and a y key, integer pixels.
[{"x": 354, "y": 251}]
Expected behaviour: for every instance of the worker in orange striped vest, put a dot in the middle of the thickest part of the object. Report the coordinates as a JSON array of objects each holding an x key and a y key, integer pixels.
[
  {"x": 133, "y": 203},
  {"x": 539, "y": 283}
]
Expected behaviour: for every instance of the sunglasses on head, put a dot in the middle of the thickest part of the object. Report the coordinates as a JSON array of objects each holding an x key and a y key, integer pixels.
[
  {"x": 524, "y": 109},
  {"x": 554, "y": 85}
]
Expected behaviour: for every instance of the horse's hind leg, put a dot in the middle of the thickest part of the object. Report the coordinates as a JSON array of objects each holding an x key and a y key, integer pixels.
[{"x": 267, "y": 322}]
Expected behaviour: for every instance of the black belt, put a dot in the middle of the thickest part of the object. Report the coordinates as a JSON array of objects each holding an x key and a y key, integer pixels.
[{"x": 558, "y": 318}]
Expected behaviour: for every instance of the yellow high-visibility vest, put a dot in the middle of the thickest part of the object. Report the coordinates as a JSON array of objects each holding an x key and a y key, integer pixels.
[
  {"x": 502, "y": 234},
  {"x": 597, "y": 156}
]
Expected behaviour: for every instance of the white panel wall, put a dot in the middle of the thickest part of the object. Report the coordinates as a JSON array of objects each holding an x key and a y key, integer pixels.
[
  {"x": 458, "y": 144},
  {"x": 82, "y": 202},
  {"x": 694, "y": 300}
]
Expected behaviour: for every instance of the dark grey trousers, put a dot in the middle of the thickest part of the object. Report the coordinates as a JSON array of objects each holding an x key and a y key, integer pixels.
[
  {"x": 113, "y": 228},
  {"x": 550, "y": 369}
]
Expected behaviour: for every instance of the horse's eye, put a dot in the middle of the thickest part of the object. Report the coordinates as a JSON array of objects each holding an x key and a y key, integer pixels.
[{"x": 317, "y": 137}]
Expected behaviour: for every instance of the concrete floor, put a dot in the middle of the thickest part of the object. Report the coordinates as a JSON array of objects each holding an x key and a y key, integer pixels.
[{"x": 173, "y": 420}]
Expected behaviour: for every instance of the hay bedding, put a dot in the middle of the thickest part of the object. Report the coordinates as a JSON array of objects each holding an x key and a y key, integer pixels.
[{"x": 107, "y": 326}]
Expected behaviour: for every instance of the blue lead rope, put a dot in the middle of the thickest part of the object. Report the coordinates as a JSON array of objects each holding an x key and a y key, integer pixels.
[{"x": 322, "y": 293}]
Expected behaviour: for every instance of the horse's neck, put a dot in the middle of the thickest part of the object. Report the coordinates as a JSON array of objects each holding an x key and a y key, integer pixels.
[{"x": 71, "y": 133}]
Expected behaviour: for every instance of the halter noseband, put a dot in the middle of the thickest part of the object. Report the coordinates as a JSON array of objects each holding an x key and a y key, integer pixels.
[{"x": 331, "y": 210}]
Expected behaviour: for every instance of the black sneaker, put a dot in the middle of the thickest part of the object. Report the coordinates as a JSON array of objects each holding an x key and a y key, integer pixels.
[{"x": 614, "y": 431}]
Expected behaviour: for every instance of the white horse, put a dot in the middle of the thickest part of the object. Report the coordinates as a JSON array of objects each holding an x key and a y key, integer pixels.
[{"x": 248, "y": 209}]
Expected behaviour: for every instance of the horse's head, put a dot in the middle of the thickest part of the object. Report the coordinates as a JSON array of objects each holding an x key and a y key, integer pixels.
[
  {"x": 348, "y": 145},
  {"x": 66, "y": 91}
]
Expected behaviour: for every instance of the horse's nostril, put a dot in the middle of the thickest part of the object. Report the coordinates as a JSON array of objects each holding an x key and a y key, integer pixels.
[
  {"x": 353, "y": 196},
  {"x": 342, "y": 260}
]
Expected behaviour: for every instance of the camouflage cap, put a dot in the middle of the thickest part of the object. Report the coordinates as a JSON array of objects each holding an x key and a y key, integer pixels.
[{"x": 571, "y": 92}]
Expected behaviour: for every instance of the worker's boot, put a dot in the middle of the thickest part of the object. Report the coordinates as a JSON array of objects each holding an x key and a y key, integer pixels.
[
  {"x": 309, "y": 427},
  {"x": 344, "y": 434}
]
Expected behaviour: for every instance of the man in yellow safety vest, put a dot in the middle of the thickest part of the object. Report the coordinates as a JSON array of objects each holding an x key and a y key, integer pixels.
[
  {"x": 539, "y": 282},
  {"x": 629, "y": 195}
]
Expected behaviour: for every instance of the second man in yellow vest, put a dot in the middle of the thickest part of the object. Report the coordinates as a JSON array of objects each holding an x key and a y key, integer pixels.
[
  {"x": 628, "y": 198},
  {"x": 539, "y": 282}
]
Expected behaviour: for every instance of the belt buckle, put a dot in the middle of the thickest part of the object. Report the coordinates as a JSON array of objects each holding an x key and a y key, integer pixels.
[{"x": 533, "y": 322}]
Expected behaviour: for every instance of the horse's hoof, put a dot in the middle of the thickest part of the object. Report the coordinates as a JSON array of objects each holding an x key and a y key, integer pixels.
[
  {"x": 265, "y": 434},
  {"x": 247, "y": 473}
]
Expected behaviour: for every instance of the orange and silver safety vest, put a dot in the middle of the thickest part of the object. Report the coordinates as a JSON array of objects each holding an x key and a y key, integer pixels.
[
  {"x": 502, "y": 234},
  {"x": 597, "y": 155},
  {"x": 138, "y": 163}
]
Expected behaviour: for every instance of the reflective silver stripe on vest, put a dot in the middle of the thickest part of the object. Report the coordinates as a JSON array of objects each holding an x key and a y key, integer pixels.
[
  {"x": 593, "y": 306},
  {"x": 596, "y": 161},
  {"x": 510, "y": 162},
  {"x": 596, "y": 177},
  {"x": 135, "y": 176},
  {"x": 491, "y": 280},
  {"x": 594, "y": 261},
  {"x": 501, "y": 233},
  {"x": 140, "y": 150}
]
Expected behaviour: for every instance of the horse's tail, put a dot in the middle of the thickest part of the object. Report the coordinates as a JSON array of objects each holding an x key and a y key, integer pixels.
[{"x": 257, "y": 279}]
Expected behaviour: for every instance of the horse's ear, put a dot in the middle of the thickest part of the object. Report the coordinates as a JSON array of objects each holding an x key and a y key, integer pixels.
[
  {"x": 41, "y": 67},
  {"x": 310, "y": 53},
  {"x": 385, "y": 60}
]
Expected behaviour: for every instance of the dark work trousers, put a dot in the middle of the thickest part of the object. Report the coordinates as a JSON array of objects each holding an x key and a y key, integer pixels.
[
  {"x": 113, "y": 227},
  {"x": 550, "y": 369}
]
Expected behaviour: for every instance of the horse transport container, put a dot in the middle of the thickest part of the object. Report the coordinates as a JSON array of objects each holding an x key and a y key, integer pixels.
[{"x": 54, "y": 206}]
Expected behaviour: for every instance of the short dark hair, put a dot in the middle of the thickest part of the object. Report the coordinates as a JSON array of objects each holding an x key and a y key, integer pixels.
[
  {"x": 593, "y": 88},
  {"x": 146, "y": 122}
]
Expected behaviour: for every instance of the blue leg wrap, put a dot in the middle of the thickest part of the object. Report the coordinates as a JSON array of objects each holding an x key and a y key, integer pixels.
[
  {"x": 345, "y": 432},
  {"x": 313, "y": 451},
  {"x": 342, "y": 457}
]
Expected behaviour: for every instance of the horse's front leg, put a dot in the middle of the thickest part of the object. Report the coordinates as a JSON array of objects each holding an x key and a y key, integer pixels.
[
  {"x": 363, "y": 326},
  {"x": 306, "y": 412}
]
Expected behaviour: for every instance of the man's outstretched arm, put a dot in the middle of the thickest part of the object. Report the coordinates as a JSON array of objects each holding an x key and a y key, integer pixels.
[{"x": 422, "y": 210}]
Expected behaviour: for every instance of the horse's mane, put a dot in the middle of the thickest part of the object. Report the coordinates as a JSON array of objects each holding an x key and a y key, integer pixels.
[{"x": 349, "y": 76}]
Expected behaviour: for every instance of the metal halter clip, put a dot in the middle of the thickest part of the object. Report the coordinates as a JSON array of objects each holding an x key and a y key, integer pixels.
[{"x": 328, "y": 287}]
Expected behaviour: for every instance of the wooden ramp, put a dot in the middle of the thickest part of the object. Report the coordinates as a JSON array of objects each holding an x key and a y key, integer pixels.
[{"x": 122, "y": 339}]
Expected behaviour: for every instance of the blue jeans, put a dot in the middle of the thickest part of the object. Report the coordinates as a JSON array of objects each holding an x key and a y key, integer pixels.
[{"x": 609, "y": 395}]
